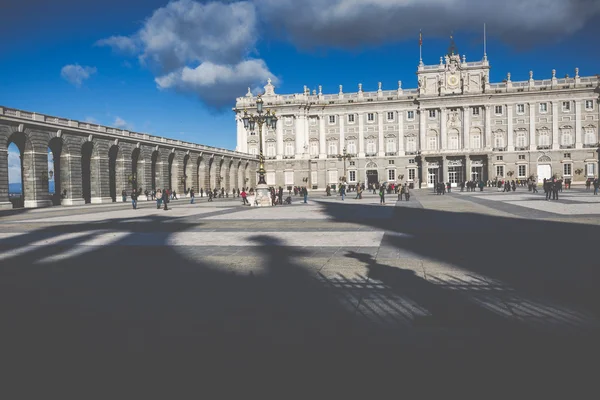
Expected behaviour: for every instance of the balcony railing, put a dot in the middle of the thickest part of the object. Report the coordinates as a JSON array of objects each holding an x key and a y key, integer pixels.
[
  {"x": 332, "y": 156},
  {"x": 370, "y": 154},
  {"x": 499, "y": 149},
  {"x": 591, "y": 145},
  {"x": 567, "y": 146},
  {"x": 288, "y": 157},
  {"x": 390, "y": 153},
  {"x": 521, "y": 148},
  {"x": 411, "y": 153},
  {"x": 543, "y": 147}
]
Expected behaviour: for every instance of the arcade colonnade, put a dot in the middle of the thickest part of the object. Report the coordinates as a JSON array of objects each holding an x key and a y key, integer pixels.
[{"x": 94, "y": 164}]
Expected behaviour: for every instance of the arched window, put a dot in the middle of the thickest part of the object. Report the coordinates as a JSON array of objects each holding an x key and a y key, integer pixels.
[
  {"x": 521, "y": 138},
  {"x": 453, "y": 140},
  {"x": 270, "y": 149},
  {"x": 566, "y": 137},
  {"x": 332, "y": 148},
  {"x": 289, "y": 148},
  {"x": 475, "y": 138},
  {"x": 544, "y": 137},
  {"x": 499, "y": 140},
  {"x": 253, "y": 150},
  {"x": 314, "y": 148},
  {"x": 590, "y": 135},
  {"x": 371, "y": 146},
  {"x": 411, "y": 144},
  {"x": 390, "y": 145},
  {"x": 351, "y": 147}
]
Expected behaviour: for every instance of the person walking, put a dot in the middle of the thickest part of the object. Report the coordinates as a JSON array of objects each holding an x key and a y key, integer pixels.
[
  {"x": 134, "y": 197},
  {"x": 382, "y": 194},
  {"x": 343, "y": 191},
  {"x": 596, "y": 186},
  {"x": 305, "y": 193},
  {"x": 244, "y": 200},
  {"x": 192, "y": 194},
  {"x": 165, "y": 198},
  {"x": 406, "y": 192},
  {"x": 158, "y": 199},
  {"x": 209, "y": 193}
]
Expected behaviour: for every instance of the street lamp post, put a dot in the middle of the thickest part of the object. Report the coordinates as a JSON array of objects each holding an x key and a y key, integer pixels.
[
  {"x": 250, "y": 122},
  {"x": 419, "y": 161},
  {"x": 344, "y": 156}
]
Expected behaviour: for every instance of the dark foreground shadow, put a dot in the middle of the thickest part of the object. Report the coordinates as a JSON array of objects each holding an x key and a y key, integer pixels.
[{"x": 158, "y": 322}]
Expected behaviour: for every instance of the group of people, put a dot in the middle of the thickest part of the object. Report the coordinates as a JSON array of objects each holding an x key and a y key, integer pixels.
[{"x": 592, "y": 182}]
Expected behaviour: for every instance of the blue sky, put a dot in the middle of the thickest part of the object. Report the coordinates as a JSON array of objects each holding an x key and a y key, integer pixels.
[{"x": 174, "y": 69}]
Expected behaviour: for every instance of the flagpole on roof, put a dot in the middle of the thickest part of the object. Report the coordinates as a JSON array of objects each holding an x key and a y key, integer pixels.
[
  {"x": 421, "y": 47},
  {"x": 484, "y": 42}
]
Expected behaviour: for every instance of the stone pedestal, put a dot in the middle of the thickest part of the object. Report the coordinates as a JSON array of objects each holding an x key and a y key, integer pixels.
[
  {"x": 263, "y": 196},
  {"x": 37, "y": 203},
  {"x": 6, "y": 205},
  {"x": 72, "y": 202},
  {"x": 101, "y": 200}
]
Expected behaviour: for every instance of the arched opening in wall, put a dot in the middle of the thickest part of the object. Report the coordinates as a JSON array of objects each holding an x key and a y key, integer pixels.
[
  {"x": 211, "y": 174},
  {"x": 246, "y": 177},
  {"x": 240, "y": 176},
  {"x": 171, "y": 158},
  {"x": 16, "y": 191},
  {"x": 231, "y": 172},
  {"x": 153, "y": 171},
  {"x": 201, "y": 184},
  {"x": 54, "y": 170},
  {"x": 220, "y": 177},
  {"x": 86, "y": 171},
  {"x": 186, "y": 174},
  {"x": 113, "y": 153},
  {"x": 134, "y": 178}
]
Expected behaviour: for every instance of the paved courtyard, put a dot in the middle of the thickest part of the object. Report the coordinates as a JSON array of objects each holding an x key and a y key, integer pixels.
[{"x": 346, "y": 295}]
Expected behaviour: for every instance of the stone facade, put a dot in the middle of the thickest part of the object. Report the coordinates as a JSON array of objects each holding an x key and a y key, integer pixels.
[
  {"x": 94, "y": 163},
  {"x": 456, "y": 126}
]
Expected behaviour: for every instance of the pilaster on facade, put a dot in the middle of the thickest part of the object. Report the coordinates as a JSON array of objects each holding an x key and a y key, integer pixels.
[
  {"x": 578, "y": 142},
  {"x": 380, "y": 141},
  {"x": 400, "y": 144},
  {"x": 299, "y": 138},
  {"x": 510, "y": 131},
  {"x": 466, "y": 118},
  {"x": 341, "y": 118},
  {"x": 279, "y": 140},
  {"x": 488, "y": 127},
  {"x": 361, "y": 135},
  {"x": 532, "y": 130},
  {"x": 443, "y": 128},
  {"x": 555, "y": 133},
  {"x": 422, "y": 128},
  {"x": 322, "y": 137}
]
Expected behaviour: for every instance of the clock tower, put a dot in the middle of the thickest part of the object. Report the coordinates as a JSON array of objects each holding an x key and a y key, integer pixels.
[{"x": 453, "y": 75}]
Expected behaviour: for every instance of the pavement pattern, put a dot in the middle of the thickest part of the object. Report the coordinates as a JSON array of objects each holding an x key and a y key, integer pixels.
[{"x": 332, "y": 290}]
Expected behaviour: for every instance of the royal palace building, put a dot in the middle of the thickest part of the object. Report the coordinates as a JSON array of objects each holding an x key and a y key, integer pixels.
[{"x": 456, "y": 126}]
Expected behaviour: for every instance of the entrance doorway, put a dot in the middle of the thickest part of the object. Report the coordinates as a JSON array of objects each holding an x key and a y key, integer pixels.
[
  {"x": 455, "y": 175},
  {"x": 433, "y": 176},
  {"x": 476, "y": 173},
  {"x": 544, "y": 171},
  {"x": 372, "y": 177}
]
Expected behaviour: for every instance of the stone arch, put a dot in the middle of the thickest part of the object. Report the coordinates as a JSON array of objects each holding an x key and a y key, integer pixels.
[
  {"x": 220, "y": 177},
  {"x": 55, "y": 145},
  {"x": 172, "y": 173},
  {"x": 187, "y": 172},
  {"x": 240, "y": 176},
  {"x": 138, "y": 169},
  {"x": 115, "y": 172},
  {"x": 87, "y": 153},
  {"x": 212, "y": 176},
  {"x": 371, "y": 165},
  {"x": 202, "y": 173},
  {"x": 544, "y": 159},
  {"x": 155, "y": 169},
  {"x": 231, "y": 175}
]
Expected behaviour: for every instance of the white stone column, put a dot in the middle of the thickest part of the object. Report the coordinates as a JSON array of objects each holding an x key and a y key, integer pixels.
[
  {"x": 578, "y": 141},
  {"x": 422, "y": 129},
  {"x": 555, "y": 134},
  {"x": 361, "y": 135},
  {"x": 510, "y": 133},
  {"x": 532, "y": 142},
  {"x": 305, "y": 148},
  {"x": 279, "y": 138},
  {"x": 443, "y": 130},
  {"x": 466, "y": 127},
  {"x": 488, "y": 127},
  {"x": 342, "y": 133},
  {"x": 238, "y": 139},
  {"x": 381, "y": 145},
  {"x": 300, "y": 122},
  {"x": 243, "y": 145},
  {"x": 400, "y": 145},
  {"x": 322, "y": 142}
]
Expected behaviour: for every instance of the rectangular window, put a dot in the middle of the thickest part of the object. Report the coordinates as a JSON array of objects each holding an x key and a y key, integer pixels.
[
  {"x": 391, "y": 162},
  {"x": 498, "y": 110},
  {"x": 566, "y": 105},
  {"x": 352, "y": 163},
  {"x": 391, "y": 174},
  {"x": 476, "y": 142},
  {"x": 390, "y": 116},
  {"x": 590, "y": 169},
  {"x": 370, "y": 117},
  {"x": 314, "y": 177},
  {"x": 351, "y": 147},
  {"x": 270, "y": 149},
  {"x": 567, "y": 155},
  {"x": 411, "y": 174},
  {"x": 543, "y": 107},
  {"x": 314, "y": 148},
  {"x": 521, "y": 156},
  {"x": 270, "y": 178},
  {"x": 432, "y": 113},
  {"x": 289, "y": 177},
  {"x": 410, "y": 115},
  {"x": 522, "y": 171},
  {"x": 371, "y": 147},
  {"x": 567, "y": 169},
  {"x": 390, "y": 145},
  {"x": 411, "y": 160},
  {"x": 475, "y": 110},
  {"x": 520, "y": 108},
  {"x": 289, "y": 149},
  {"x": 332, "y": 119},
  {"x": 411, "y": 144},
  {"x": 351, "y": 118},
  {"x": 500, "y": 171},
  {"x": 499, "y": 158},
  {"x": 351, "y": 176},
  {"x": 589, "y": 105},
  {"x": 333, "y": 176},
  {"x": 432, "y": 143}
]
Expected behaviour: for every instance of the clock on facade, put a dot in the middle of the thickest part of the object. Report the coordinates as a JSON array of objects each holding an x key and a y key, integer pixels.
[{"x": 453, "y": 80}]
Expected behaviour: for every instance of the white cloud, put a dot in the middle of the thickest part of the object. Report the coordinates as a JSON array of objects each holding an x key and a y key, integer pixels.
[
  {"x": 91, "y": 120},
  {"x": 121, "y": 44},
  {"x": 76, "y": 74},
  {"x": 350, "y": 23},
  {"x": 231, "y": 80},
  {"x": 122, "y": 124},
  {"x": 186, "y": 38},
  {"x": 14, "y": 166}
]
